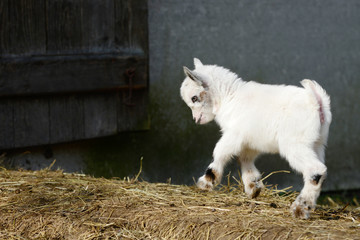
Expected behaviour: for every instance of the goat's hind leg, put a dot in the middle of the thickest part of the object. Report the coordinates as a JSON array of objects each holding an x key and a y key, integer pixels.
[
  {"x": 251, "y": 177},
  {"x": 309, "y": 163}
]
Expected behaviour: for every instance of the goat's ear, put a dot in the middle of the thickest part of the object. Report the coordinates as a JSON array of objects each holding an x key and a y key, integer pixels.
[
  {"x": 192, "y": 75},
  {"x": 197, "y": 63},
  {"x": 195, "y": 77}
]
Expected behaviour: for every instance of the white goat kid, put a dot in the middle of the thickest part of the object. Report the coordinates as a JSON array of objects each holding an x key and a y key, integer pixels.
[{"x": 257, "y": 118}]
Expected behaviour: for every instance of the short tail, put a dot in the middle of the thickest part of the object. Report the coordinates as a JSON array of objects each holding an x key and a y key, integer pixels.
[{"x": 322, "y": 98}]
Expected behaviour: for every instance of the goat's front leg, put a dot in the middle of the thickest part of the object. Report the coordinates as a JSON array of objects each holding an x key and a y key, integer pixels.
[
  {"x": 251, "y": 177},
  {"x": 224, "y": 150}
]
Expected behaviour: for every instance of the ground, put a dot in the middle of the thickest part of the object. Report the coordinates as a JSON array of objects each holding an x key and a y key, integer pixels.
[{"x": 54, "y": 205}]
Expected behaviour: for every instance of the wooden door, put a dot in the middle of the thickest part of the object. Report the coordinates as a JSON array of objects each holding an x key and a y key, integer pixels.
[{"x": 71, "y": 70}]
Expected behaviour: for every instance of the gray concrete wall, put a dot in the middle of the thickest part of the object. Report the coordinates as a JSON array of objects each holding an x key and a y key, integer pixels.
[{"x": 277, "y": 41}]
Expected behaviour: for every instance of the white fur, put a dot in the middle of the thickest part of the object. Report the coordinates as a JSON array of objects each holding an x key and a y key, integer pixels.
[{"x": 259, "y": 118}]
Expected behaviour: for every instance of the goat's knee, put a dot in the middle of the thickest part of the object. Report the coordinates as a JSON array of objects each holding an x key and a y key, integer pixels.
[{"x": 318, "y": 175}]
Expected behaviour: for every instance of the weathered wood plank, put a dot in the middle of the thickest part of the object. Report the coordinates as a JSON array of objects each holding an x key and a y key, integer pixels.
[
  {"x": 31, "y": 122},
  {"x": 66, "y": 118},
  {"x": 6, "y": 124},
  {"x": 131, "y": 25},
  {"x": 48, "y": 120},
  {"x": 83, "y": 73},
  {"x": 98, "y": 26},
  {"x": 133, "y": 113},
  {"x": 22, "y": 27},
  {"x": 100, "y": 115},
  {"x": 4, "y": 26},
  {"x": 63, "y": 27}
]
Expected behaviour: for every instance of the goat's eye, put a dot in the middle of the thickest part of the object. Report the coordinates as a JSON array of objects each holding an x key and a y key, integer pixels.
[{"x": 194, "y": 99}]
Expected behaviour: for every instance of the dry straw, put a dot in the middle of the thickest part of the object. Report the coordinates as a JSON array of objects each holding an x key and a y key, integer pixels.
[{"x": 54, "y": 205}]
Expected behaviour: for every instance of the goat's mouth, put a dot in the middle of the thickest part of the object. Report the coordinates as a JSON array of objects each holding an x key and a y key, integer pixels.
[{"x": 197, "y": 121}]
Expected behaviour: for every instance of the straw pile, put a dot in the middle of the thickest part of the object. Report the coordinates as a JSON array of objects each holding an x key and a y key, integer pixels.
[{"x": 53, "y": 205}]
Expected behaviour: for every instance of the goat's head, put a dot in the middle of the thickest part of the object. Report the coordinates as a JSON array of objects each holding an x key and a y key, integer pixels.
[{"x": 195, "y": 93}]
